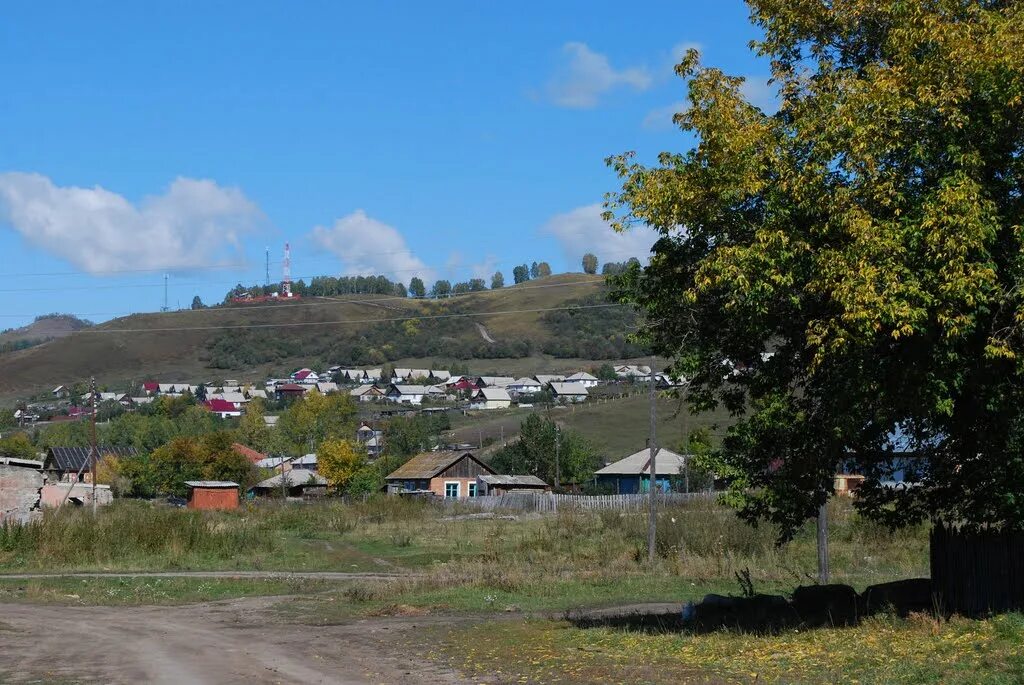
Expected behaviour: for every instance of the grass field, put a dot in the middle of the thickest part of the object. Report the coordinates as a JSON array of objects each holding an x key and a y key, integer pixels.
[
  {"x": 880, "y": 651},
  {"x": 511, "y": 581}
]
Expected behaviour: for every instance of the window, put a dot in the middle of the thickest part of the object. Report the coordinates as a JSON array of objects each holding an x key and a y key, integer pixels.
[
  {"x": 471, "y": 490},
  {"x": 451, "y": 489}
]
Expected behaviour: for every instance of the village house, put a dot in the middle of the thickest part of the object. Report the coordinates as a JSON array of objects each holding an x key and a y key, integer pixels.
[
  {"x": 72, "y": 464},
  {"x": 494, "y": 381},
  {"x": 326, "y": 387},
  {"x": 150, "y": 387},
  {"x": 632, "y": 474},
  {"x": 61, "y": 392},
  {"x": 306, "y": 462},
  {"x": 366, "y": 393},
  {"x": 222, "y": 408},
  {"x": 439, "y": 376},
  {"x": 498, "y": 484},
  {"x": 547, "y": 378},
  {"x": 212, "y": 494},
  {"x": 633, "y": 371},
  {"x": 305, "y": 377},
  {"x": 289, "y": 391},
  {"x": 491, "y": 398},
  {"x": 373, "y": 375},
  {"x": 451, "y": 475},
  {"x": 583, "y": 378},
  {"x": 568, "y": 392},
  {"x": 524, "y": 386},
  {"x": 407, "y": 394},
  {"x": 253, "y": 456}
]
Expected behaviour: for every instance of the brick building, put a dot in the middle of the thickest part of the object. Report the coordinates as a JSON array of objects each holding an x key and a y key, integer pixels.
[{"x": 212, "y": 494}]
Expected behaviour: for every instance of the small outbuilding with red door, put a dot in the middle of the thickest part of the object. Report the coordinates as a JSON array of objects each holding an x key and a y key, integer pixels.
[{"x": 212, "y": 494}]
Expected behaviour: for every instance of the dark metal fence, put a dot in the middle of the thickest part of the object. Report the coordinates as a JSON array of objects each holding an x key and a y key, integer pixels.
[{"x": 977, "y": 573}]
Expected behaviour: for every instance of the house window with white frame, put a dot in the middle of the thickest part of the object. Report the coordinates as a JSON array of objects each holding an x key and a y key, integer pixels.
[
  {"x": 451, "y": 489},
  {"x": 471, "y": 490}
]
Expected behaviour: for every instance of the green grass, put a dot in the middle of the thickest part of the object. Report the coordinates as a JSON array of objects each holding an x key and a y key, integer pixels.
[
  {"x": 151, "y": 591},
  {"x": 701, "y": 540},
  {"x": 881, "y": 650}
]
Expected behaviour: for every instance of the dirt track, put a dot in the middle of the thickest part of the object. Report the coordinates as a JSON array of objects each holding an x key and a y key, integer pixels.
[{"x": 216, "y": 643}]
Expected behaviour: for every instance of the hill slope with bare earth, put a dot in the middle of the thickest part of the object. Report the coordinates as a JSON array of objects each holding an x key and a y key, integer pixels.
[{"x": 254, "y": 341}]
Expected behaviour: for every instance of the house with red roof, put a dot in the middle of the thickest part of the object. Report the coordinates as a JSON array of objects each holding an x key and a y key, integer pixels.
[
  {"x": 290, "y": 391},
  {"x": 306, "y": 376},
  {"x": 223, "y": 408},
  {"x": 249, "y": 453},
  {"x": 151, "y": 387}
]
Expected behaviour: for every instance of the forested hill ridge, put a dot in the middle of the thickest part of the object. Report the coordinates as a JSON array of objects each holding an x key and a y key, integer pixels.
[
  {"x": 563, "y": 316},
  {"x": 44, "y": 328}
]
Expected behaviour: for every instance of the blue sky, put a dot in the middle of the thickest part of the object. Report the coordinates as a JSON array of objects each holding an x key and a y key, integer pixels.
[{"x": 447, "y": 139}]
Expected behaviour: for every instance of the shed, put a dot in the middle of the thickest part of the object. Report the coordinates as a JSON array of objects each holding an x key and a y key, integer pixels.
[
  {"x": 297, "y": 483},
  {"x": 500, "y": 484},
  {"x": 212, "y": 494},
  {"x": 449, "y": 474}
]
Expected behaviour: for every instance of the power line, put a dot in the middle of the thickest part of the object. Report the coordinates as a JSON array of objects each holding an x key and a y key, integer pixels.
[{"x": 299, "y": 324}]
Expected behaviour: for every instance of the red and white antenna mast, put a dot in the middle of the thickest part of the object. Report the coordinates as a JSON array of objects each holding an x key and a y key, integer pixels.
[{"x": 286, "y": 267}]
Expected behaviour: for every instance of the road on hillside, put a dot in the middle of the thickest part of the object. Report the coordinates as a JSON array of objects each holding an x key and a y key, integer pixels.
[{"x": 220, "y": 643}]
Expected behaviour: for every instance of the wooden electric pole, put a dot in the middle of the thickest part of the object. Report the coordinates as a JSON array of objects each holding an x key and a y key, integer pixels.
[
  {"x": 652, "y": 444},
  {"x": 93, "y": 449},
  {"x": 823, "y": 573}
]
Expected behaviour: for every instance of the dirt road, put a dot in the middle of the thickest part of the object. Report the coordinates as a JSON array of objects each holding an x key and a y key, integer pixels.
[{"x": 218, "y": 643}]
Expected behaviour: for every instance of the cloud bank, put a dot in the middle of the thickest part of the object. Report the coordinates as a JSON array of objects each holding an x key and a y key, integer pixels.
[
  {"x": 582, "y": 230},
  {"x": 585, "y": 76},
  {"x": 192, "y": 223},
  {"x": 367, "y": 246}
]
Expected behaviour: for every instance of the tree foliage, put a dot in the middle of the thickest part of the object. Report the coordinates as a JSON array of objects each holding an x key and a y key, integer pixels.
[
  {"x": 417, "y": 288},
  {"x": 589, "y": 263},
  {"x": 338, "y": 461},
  {"x": 534, "y": 453},
  {"x": 869, "y": 235},
  {"x": 497, "y": 280},
  {"x": 520, "y": 274}
]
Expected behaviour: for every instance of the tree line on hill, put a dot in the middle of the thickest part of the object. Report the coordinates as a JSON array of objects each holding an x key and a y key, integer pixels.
[{"x": 324, "y": 286}]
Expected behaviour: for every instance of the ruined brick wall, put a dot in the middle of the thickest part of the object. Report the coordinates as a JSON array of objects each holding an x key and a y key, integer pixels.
[{"x": 19, "y": 492}]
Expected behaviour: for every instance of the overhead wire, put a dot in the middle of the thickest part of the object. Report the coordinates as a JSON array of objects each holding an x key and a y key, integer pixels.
[{"x": 299, "y": 324}]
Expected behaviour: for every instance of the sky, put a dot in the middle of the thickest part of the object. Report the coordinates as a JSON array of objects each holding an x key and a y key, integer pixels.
[{"x": 444, "y": 140}]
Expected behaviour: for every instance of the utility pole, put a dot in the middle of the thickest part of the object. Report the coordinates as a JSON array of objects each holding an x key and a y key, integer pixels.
[
  {"x": 94, "y": 450},
  {"x": 165, "y": 307},
  {"x": 266, "y": 282},
  {"x": 823, "y": 572},
  {"x": 558, "y": 458},
  {"x": 652, "y": 444}
]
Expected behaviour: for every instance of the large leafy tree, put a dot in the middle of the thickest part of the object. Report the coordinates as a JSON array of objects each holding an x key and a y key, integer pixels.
[
  {"x": 845, "y": 273},
  {"x": 535, "y": 452}
]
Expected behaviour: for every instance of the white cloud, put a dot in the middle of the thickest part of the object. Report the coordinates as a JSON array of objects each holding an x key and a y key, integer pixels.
[
  {"x": 583, "y": 230},
  {"x": 97, "y": 230},
  {"x": 367, "y": 246},
  {"x": 760, "y": 93},
  {"x": 661, "y": 117},
  {"x": 586, "y": 75}
]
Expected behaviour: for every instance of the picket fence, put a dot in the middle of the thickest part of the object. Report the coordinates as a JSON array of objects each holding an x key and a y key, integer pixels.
[{"x": 545, "y": 502}]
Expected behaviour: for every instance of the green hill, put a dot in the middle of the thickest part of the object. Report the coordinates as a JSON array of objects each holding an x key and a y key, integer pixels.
[{"x": 518, "y": 328}]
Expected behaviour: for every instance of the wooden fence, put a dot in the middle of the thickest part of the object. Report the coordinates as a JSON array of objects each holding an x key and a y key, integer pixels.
[
  {"x": 975, "y": 574},
  {"x": 549, "y": 502}
]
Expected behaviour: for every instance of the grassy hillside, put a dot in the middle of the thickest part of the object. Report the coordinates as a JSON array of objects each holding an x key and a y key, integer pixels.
[
  {"x": 348, "y": 330},
  {"x": 616, "y": 427}
]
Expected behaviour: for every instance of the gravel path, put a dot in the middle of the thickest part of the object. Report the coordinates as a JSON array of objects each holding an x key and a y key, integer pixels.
[
  {"x": 228, "y": 642},
  {"x": 312, "y": 575}
]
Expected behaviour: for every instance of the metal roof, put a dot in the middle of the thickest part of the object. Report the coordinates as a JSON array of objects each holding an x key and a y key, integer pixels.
[
  {"x": 211, "y": 484},
  {"x": 504, "y": 479},
  {"x": 429, "y": 464},
  {"x": 568, "y": 388},
  {"x": 669, "y": 464},
  {"x": 292, "y": 479},
  {"x": 18, "y": 461},
  {"x": 74, "y": 458}
]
